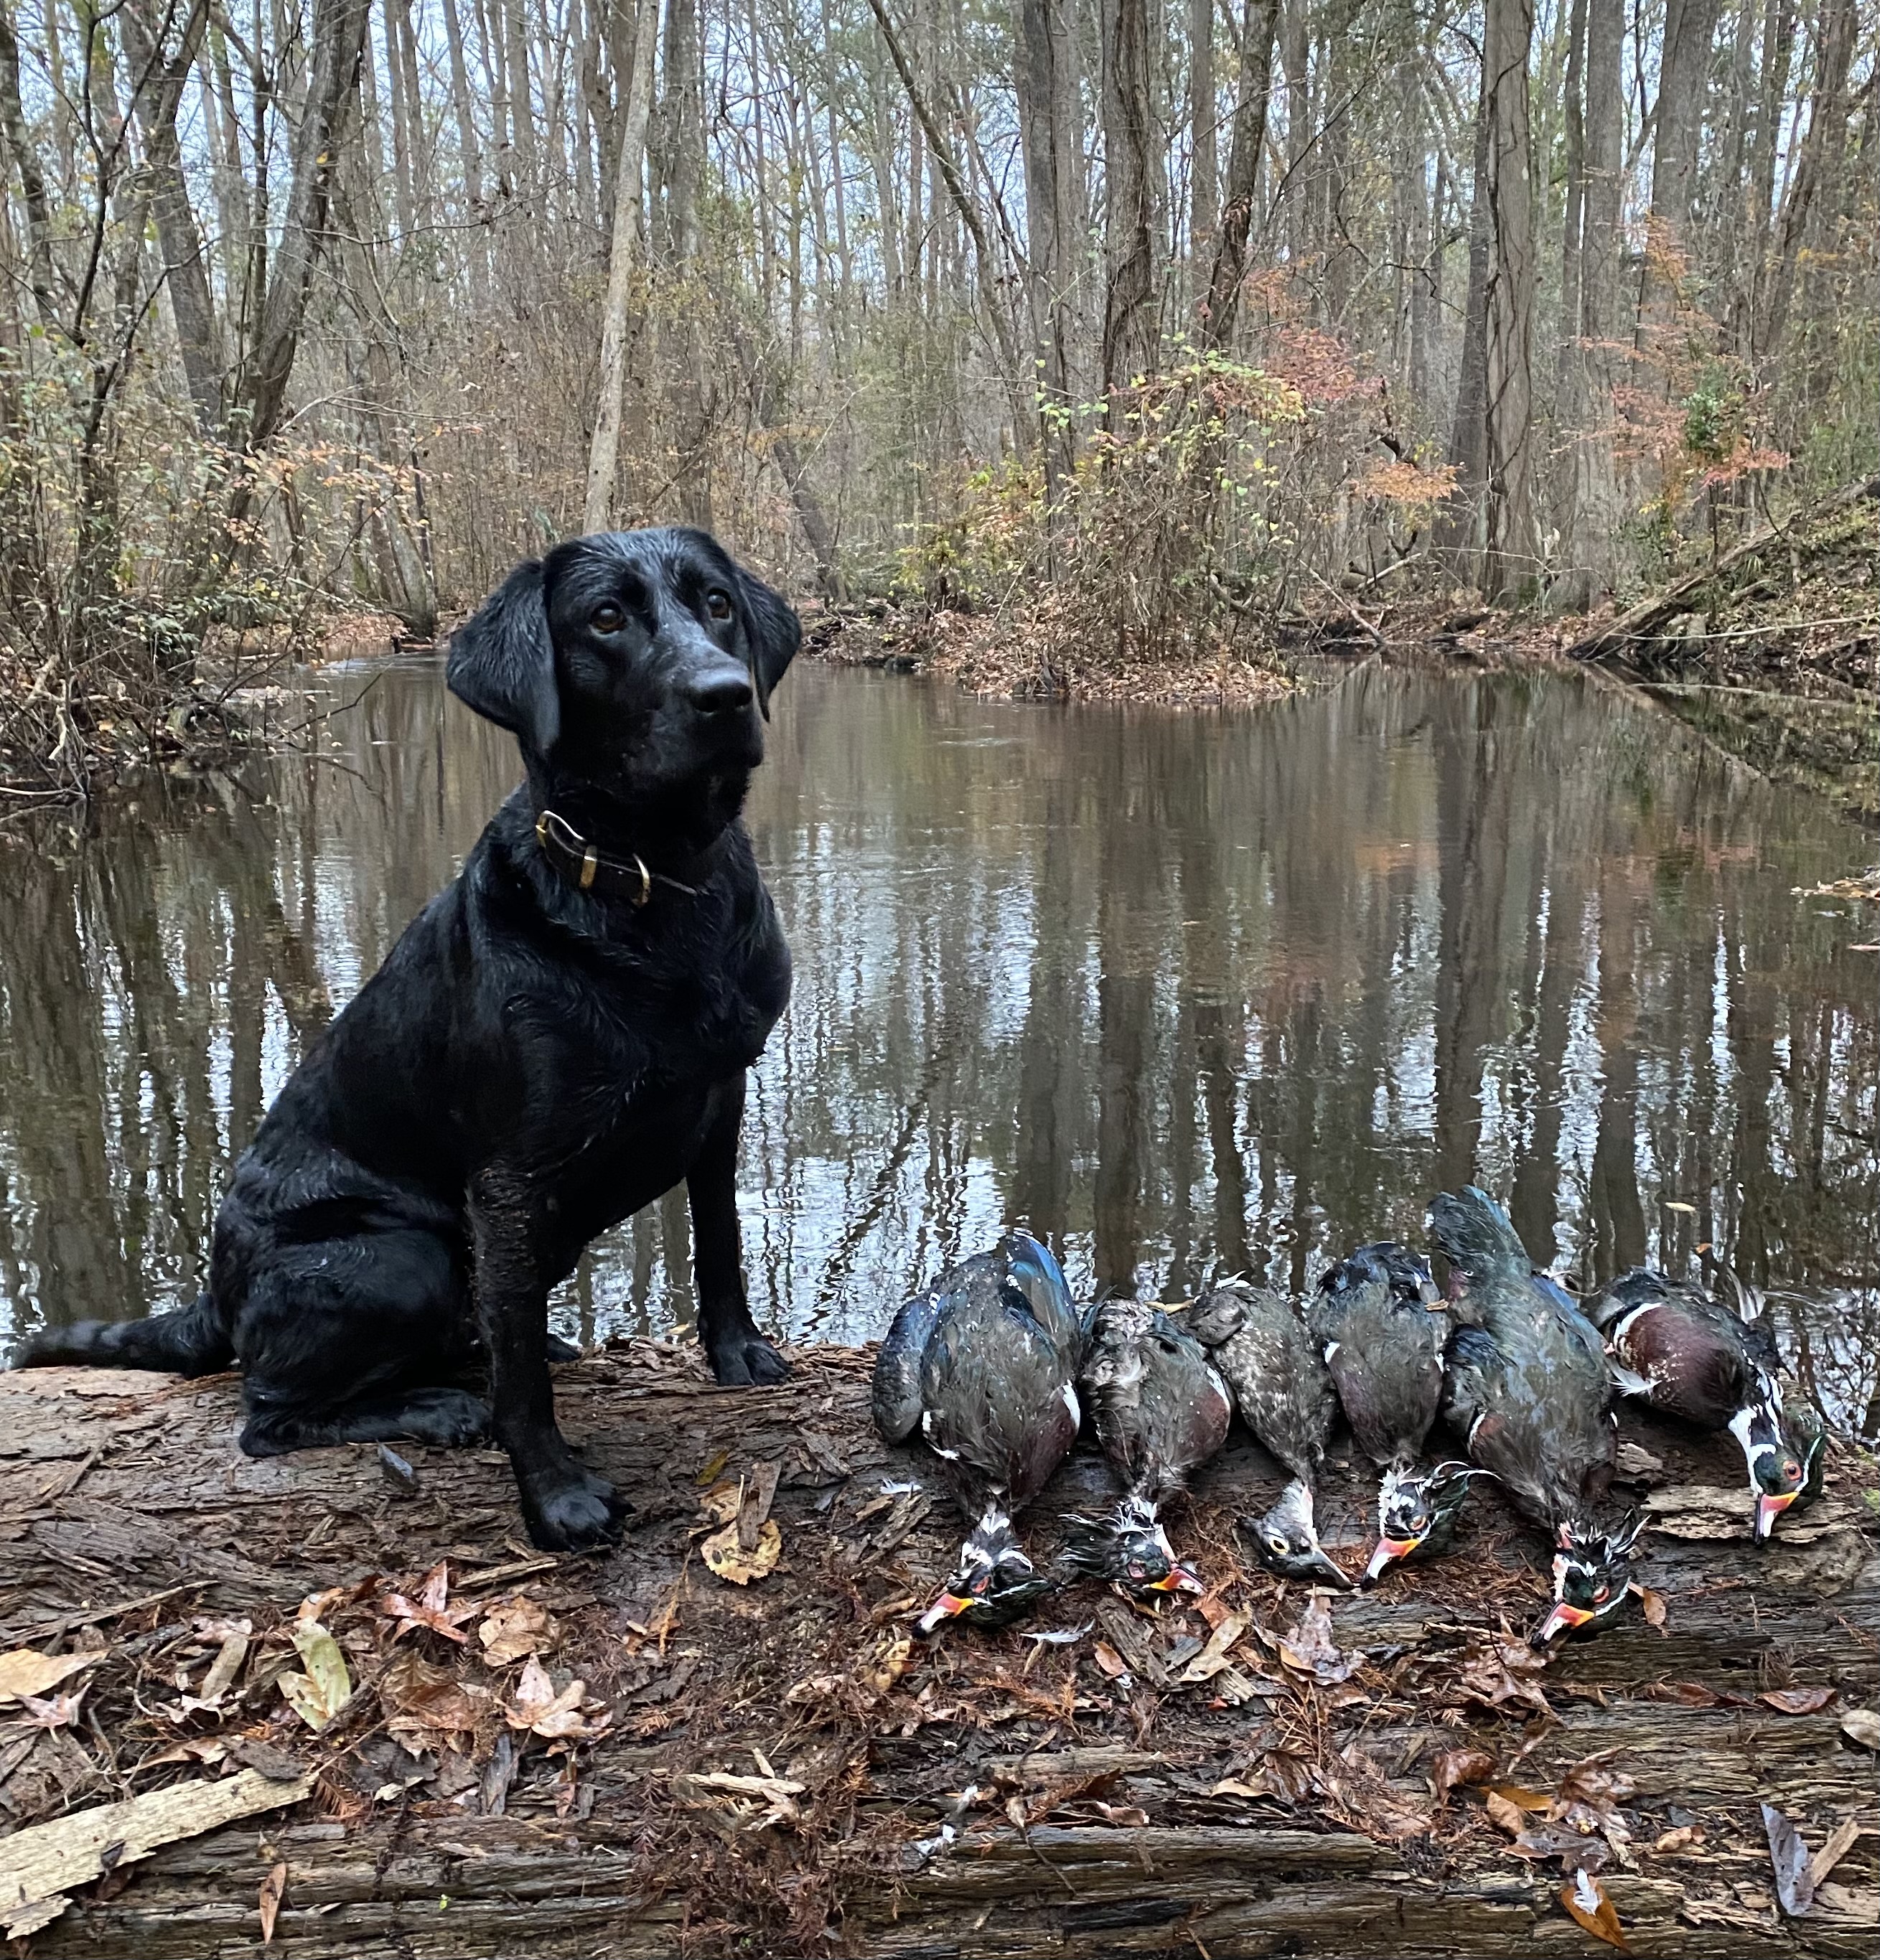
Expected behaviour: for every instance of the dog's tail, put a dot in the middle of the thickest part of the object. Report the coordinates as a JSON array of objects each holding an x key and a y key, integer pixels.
[{"x": 192, "y": 1341}]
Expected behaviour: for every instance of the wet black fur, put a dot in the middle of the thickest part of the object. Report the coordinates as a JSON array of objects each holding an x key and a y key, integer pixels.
[{"x": 531, "y": 1064}]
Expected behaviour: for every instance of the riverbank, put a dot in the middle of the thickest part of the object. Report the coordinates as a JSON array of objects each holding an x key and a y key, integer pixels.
[
  {"x": 1772, "y": 653},
  {"x": 523, "y": 1751}
]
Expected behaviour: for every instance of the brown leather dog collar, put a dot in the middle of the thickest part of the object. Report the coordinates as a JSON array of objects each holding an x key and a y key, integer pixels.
[{"x": 589, "y": 869}]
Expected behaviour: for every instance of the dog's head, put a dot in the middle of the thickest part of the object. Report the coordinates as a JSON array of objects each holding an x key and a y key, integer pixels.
[{"x": 637, "y": 662}]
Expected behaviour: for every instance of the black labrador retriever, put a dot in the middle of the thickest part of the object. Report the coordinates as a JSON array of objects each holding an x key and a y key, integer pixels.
[{"x": 560, "y": 1037}]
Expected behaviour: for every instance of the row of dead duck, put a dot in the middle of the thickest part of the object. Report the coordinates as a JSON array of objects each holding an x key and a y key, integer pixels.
[{"x": 995, "y": 1369}]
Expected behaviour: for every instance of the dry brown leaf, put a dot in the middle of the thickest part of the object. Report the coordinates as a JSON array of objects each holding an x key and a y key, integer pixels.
[
  {"x": 1125, "y": 1816},
  {"x": 514, "y": 1628},
  {"x": 1675, "y": 1839},
  {"x": 1798, "y": 1701},
  {"x": 889, "y": 1662},
  {"x": 726, "y": 1556},
  {"x": 1862, "y": 1725},
  {"x": 1585, "y": 1899},
  {"x": 1653, "y": 1604},
  {"x": 1213, "y": 1608},
  {"x": 1112, "y": 1663},
  {"x": 420, "y": 1699},
  {"x": 1460, "y": 1766},
  {"x": 1213, "y": 1658},
  {"x": 1520, "y": 1798},
  {"x": 1508, "y": 1815},
  {"x": 535, "y": 1706},
  {"x": 272, "y": 1886},
  {"x": 25, "y": 1671},
  {"x": 431, "y": 1609},
  {"x": 1686, "y": 1694}
]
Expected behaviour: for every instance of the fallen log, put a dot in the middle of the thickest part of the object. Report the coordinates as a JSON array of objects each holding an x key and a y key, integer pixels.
[
  {"x": 775, "y": 1768},
  {"x": 1623, "y": 638}
]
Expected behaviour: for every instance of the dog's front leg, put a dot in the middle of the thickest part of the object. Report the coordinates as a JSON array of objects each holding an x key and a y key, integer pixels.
[
  {"x": 739, "y": 1356},
  {"x": 566, "y": 1506}
]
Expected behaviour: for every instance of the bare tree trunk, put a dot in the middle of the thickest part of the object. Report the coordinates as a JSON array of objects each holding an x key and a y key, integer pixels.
[
  {"x": 1592, "y": 547},
  {"x": 1204, "y": 167},
  {"x": 984, "y": 259},
  {"x": 1048, "y": 135},
  {"x": 1511, "y": 554},
  {"x": 157, "y": 80},
  {"x": 1459, "y": 524},
  {"x": 338, "y": 41},
  {"x": 1131, "y": 149},
  {"x": 1243, "y": 172},
  {"x": 1828, "y": 123},
  {"x": 17, "y": 138},
  {"x": 628, "y": 244},
  {"x": 469, "y": 152}
]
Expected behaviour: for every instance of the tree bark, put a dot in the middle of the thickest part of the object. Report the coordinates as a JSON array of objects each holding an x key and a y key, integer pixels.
[
  {"x": 1593, "y": 550},
  {"x": 604, "y": 453},
  {"x": 1511, "y": 559},
  {"x": 1204, "y": 167},
  {"x": 1243, "y": 172},
  {"x": 338, "y": 41},
  {"x": 1459, "y": 524},
  {"x": 15, "y": 137},
  {"x": 158, "y": 80},
  {"x": 1047, "y": 127},
  {"x": 1131, "y": 155}
]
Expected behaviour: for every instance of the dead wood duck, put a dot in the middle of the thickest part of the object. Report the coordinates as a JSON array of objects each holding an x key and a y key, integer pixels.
[
  {"x": 1270, "y": 1360},
  {"x": 1526, "y": 1388},
  {"x": 1380, "y": 1323},
  {"x": 982, "y": 1365},
  {"x": 1160, "y": 1410},
  {"x": 1687, "y": 1354}
]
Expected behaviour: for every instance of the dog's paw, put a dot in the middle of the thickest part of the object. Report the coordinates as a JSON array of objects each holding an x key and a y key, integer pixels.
[
  {"x": 451, "y": 1418},
  {"x": 745, "y": 1359},
  {"x": 574, "y": 1517}
]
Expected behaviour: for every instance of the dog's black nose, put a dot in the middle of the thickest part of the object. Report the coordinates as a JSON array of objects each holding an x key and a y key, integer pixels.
[{"x": 722, "y": 691}]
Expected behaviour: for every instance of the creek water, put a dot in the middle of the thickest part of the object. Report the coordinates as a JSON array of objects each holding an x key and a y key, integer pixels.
[{"x": 1191, "y": 993}]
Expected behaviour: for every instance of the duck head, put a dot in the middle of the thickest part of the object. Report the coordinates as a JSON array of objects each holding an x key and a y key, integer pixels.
[
  {"x": 1785, "y": 1449},
  {"x": 996, "y": 1583},
  {"x": 1285, "y": 1539},
  {"x": 1417, "y": 1511},
  {"x": 1130, "y": 1549},
  {"x": 1592, "y": 1575}
]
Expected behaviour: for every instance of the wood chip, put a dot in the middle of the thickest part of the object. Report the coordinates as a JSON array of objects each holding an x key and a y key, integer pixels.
[{"x": 40, "y": 1866}]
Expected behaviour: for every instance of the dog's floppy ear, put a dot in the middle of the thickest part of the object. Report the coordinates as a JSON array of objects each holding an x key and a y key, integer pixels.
[
  {"x": 773, "y": 630},
  {"x": 503, "y": 661}
]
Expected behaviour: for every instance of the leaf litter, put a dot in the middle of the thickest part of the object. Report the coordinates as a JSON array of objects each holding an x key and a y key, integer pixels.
[{"x": 424, "y": 1684}]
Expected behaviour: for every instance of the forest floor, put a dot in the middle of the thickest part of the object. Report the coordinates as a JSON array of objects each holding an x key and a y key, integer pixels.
[
  {"x": 332, "y": 1700},
  {"x": 1772, "y": 651}
]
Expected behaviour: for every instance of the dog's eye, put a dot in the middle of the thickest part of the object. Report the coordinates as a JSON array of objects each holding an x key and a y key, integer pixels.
[
  {"x": 718, "y": 603},
  {"x": 608, "y": 619}
]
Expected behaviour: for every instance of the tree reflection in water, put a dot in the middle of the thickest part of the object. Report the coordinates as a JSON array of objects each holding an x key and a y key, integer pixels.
[{"x": 1193, "y": 993}]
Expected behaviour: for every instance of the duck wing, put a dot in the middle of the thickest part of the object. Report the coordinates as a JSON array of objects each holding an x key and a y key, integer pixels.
[
  {"x": 1278, "y": 1376},
  {"x": 1679, "y": 1349},
  {"x": 1159, "y": 1406},
  {"x": 1530, "y": 1405},
  {"x": 1383, "y": 1345},
  {"x": 896, "y": 1389},
  {"x": 996, "y": 1389}
]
